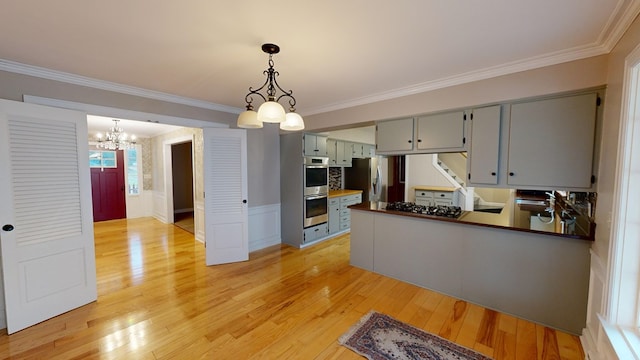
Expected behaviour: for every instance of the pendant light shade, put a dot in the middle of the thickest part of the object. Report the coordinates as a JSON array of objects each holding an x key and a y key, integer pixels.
[
  {"x": 249, "y": 120},
  {"x": 293, "y": 122},
  {"x": 271, "y": 112}
]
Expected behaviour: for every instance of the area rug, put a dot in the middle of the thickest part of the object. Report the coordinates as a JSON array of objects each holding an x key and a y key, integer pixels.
[{"x": 380, "y": 337}]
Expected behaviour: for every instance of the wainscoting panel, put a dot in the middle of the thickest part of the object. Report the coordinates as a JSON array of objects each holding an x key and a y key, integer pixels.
[
  {"x": 594, "y": 340},
  {"x": 159, "y": 206},
  {"x": 264, "y": 226},
  {"x": 140, "y": 205}
]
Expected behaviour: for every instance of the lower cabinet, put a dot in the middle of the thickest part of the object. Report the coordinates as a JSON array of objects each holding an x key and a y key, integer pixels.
[
  {"x": 314, "y": 233},
  {"x": 436, "y": 198},
  {"x": 339, "y": 213},
  {"x": 334, "y": 215}
]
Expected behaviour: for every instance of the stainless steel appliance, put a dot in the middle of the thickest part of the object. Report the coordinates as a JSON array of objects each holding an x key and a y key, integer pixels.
[
  {"x": 367, "y": 175},
  {"x": 316, "y": 175},
  {"x": 315, "y": 210},
  {"x": 316, "y": 188}
]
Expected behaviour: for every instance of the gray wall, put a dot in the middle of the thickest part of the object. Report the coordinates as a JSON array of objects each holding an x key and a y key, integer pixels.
[{"x": 263, "y": 144}]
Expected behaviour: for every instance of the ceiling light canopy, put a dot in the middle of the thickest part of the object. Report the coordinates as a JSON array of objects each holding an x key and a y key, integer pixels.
[
  {"x": 115, "y": 138},
  {"x": 270, "y": 111}
]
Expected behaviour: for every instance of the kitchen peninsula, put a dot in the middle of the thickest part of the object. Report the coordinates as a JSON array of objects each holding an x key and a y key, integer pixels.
[{"x": 542, "y": 277}]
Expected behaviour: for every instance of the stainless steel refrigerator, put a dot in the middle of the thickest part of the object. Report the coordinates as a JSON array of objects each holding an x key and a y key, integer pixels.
[{"x": 368, "y": 175}]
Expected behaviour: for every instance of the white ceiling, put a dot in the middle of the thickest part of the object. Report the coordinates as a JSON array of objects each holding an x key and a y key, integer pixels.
[{"x": 334, "y": 54}]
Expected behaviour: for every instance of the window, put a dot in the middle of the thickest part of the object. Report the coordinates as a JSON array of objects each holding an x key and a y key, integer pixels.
[
  {"x": 102, "y": 159},
  {"x": 133, "y": 167},
  {"x": 623, "y": 319}
]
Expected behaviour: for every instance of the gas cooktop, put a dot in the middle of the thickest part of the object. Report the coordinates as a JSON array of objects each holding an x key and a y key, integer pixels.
[{"x": 446, "y": 211}]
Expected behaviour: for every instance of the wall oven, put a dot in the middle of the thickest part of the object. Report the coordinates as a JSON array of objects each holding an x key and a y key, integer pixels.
[
  {"x": 315, "y": 210},
  {"x": 316, "y": 187},
  {"x": 316, "y": 175}
]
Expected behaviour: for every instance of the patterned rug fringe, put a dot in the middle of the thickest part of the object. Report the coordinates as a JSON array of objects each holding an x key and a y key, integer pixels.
[{"x": 378, "y": 336}]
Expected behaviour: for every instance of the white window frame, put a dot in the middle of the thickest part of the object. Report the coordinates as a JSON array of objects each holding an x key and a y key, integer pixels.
[
  {"x": 622, "y": 317},
  {"x": 138, "y": 148},
  {"x": 102, "y": 166}
]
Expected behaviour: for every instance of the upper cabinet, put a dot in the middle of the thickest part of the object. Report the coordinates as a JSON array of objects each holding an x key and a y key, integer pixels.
[
  {"x": 394, "y": 136},
  {"x": 331, "y": 152},
  {"x": 535, "y": 144},
  {"x": 343, "y": 153},
  {"x": 484, "y": 147},
  {"x": 442, "y": 132},
  {"x": 551, "y": 142},
  {"x": 315, "y": 145}
]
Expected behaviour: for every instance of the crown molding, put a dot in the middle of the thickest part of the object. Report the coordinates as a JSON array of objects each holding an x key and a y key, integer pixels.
[
  {"x": 482, "y": 74},
  {"x": 625, "y": 13},
  {"x": 40, "y": 72}
]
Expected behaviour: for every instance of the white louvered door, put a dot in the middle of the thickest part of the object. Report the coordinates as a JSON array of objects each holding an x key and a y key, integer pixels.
[
  {"x": 48, "y": 256},
  {"x": 225, "y": 202}
]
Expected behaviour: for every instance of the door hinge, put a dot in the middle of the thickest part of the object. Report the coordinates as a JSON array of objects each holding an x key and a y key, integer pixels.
[{"x": 598, "y": 101}]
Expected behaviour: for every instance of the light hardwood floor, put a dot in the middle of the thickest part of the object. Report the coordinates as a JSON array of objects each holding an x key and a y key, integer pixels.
[{"x": 157, "y": 300}]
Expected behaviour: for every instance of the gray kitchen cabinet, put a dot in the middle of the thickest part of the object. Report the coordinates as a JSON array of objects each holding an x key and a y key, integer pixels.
[
  {"x": 343, "y": 153},
  {"x": 339, "y": 213},
  {"x": 436, "y": 198},
  {"x": 442, "y": 132},
  {"x": 394, "y": 136},
  {"x": 332, "y": 152},
  {"x": 357, "y": 151},
  {"x": 551, "y": 142},
  {"x": 368, "y": 150},
  {"x": 314, "y": 233},
  {"x": 424, "y": 198},
  {"x": 345, "y": 213},
  {"x": 362, "y": 151},
  {"x": 484, "y": 147},
  {"x": 334, "y": 215},
  {"x": 315, "y": 145}
]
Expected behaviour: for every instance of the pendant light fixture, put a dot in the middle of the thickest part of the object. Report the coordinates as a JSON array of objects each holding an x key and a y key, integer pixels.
[
  {"x": 270, "y": 111},
  {"x": 115, "y": 138}
]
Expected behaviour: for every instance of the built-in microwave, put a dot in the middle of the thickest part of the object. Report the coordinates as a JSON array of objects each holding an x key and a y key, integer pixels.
[
  {"x": 316, "y": 175},
  {"x": 315, "y": 210}
]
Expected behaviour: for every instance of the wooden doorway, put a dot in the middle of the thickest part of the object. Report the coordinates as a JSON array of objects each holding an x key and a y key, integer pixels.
[
  {"x": 396, "y": 178},
  {"x": 182, "y": 184},
  {"x": 107, "y": 184}
]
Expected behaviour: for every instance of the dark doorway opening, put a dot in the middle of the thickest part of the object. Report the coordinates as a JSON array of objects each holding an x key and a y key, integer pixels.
[{"x": 182, "y": 180}]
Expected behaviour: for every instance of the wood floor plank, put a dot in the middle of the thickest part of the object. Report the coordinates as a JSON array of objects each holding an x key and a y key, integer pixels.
[{"x": 157, "y": 300}]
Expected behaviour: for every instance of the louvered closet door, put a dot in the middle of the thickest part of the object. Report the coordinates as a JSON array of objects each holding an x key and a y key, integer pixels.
[
  {"x": 225, "y": 183},
  {"x": 48, "y": 257}
]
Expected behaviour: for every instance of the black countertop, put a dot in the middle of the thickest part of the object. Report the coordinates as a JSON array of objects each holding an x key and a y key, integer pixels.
[{"x": 514, "y": 217}]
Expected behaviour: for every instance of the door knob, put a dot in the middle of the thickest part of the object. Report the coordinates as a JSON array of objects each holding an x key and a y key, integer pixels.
[
  {"x": 7, "y": 227},
  {"x": 244, "y": 201}
]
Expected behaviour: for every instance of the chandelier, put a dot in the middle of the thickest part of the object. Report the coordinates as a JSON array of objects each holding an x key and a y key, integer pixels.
[
  {"x": 115, "y": 138},
  {"x": 270, "y": 111}
]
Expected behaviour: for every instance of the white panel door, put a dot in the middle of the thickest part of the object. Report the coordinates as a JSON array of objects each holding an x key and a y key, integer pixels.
[
  {"x": 225, "y": 201},
  {"x": 48, "y": 256}
]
